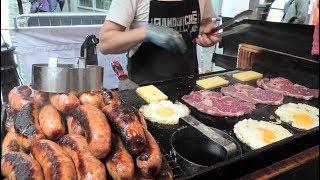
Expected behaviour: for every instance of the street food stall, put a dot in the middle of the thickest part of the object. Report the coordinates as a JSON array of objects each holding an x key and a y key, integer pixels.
[{"x": 258, "y": 118}]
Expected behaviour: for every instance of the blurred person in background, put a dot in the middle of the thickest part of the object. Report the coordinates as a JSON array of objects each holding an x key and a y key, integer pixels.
[
  {"x": 315, "y": 22},
  {"x": 159, "y": 37},
  {"x": 296, "y": 11},
  {"x": 46, "y": 6}
]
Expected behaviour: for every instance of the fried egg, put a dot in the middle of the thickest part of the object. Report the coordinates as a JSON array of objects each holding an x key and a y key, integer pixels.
[
  {"x": 301, "y": 116},
  {"x": 164, "y": 112},
  {"x": 257, "y": 134}
]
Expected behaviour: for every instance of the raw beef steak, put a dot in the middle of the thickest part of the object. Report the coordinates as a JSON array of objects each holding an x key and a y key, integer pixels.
[
  {"x": 216, "y": 104},
  {"x": 252, "y": 94},
  {"x": 287, "y": 88}
]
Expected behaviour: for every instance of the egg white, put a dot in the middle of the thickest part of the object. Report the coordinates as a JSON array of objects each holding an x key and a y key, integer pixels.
[
  {"x": 176, "y": 111},
  {"x": 286, "y": 114},
  {"x": 249, "y": 132}
]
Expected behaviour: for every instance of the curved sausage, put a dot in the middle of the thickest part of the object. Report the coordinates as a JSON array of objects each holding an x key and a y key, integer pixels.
[
  {"x": 150, "y": 159},
  {"x": 125, "y": 122},
  {"x": 11, "y": 113},
  {"x": 18, "y": 165},
  {"x": 165, "y": 172},
  {"x": 51, "y": 123},
  {"x": 87, "y": 166},
  {"x": 75, "y": 93},
  {"x": 92, "y": 98},
  {"x": 10, "y": 143},
  {"x": 74, "y": 126},
  {"x": 64, "y": 102},
  {"x": 26, "y": 125},
  {"x": 19, "y": 96},
  {"x": 141, "y": 119},
  {"x": 41, "y": 98},
  {"x": 55, "y": 163},
  {"x": 111, "y": 98},
  {"x": 96, "y": 127},
  {"x": 120, "y": 164}
]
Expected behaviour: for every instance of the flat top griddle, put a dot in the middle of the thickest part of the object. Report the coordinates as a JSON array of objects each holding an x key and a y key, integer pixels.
[
  {"x": 250, "y": 160},
  {"x": 303, "y": 72}
]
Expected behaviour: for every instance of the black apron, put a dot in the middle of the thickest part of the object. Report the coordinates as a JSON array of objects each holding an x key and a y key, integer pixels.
[{"x": 152, "y": 63}]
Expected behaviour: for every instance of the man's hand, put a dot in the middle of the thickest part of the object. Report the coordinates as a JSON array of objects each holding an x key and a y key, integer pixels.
[
  {"x": 165, "y": 37},
  {"x": 207, "y": 40}
]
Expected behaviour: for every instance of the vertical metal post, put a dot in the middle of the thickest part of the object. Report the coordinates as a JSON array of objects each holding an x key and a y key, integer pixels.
[
  {"x": 20, "y": 6},
  {"x": 69, "y": 6}
]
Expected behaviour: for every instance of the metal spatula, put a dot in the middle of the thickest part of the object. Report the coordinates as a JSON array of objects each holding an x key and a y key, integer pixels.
[{"x": 124, "y": 82}]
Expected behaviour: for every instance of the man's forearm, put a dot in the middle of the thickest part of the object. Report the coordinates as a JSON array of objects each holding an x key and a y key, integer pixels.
[{"x": 116, "y": 42}]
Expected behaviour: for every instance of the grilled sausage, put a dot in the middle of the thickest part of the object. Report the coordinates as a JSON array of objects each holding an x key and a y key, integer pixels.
[
  {"x": 64, "y": 102},
  {"x": 10, "y": 143},
  {"x": 111, "y": 98},
  {"x": 87, "y": 166},
  {"x": 18, "y": 165},
  {"x": 120, "y": 164},
  {"x": 150, "y": 159},
  {"x": 92, "y": 98},
  {"x": 141, "y": 119},
  {"x": 51, "y": 123},
  {"x": 74, "y": 126},
  {"x": 41, "y": 98},
  {"x": 125, "y": 122},
  {"x": 11, "y": 113},
  {"x": 55, "y": 163},
  {"x": 165, "y": 172},
  {"x": 26, "y": 125},
  {"x": 96, "y": 127},
  {"x": 19, "y": 96}
]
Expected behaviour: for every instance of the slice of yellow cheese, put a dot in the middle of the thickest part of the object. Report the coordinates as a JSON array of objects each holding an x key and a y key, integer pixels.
[
  {"x": 247, "y": 76},
  {"x": 212, "y": 82},
  {"x": 151, "y": 93}
]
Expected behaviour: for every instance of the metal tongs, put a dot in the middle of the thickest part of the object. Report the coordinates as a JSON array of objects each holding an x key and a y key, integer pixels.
[{"x": 238, "y": 29}]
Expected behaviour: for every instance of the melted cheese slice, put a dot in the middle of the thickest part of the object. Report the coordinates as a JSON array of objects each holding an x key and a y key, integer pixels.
[
  {"x": 151, "y": 93},
  {"x": 247, "y": 76},
  {"x": 212, "y": 82}
]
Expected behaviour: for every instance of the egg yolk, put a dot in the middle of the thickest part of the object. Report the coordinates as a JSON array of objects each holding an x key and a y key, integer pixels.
[
  {"x": 302, "y": 119},
  {"x": 164, "y": 112},
  {"x": 268, "y": 136}
]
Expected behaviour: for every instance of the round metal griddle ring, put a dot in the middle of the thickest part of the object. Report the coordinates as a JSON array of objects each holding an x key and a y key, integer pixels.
[
  {"x": 63, "y": 78},
  {"x": 229, "y": 146}
]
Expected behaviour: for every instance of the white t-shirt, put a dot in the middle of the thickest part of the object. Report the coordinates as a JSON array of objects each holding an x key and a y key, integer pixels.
[{"x": 135, "y": 13}]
